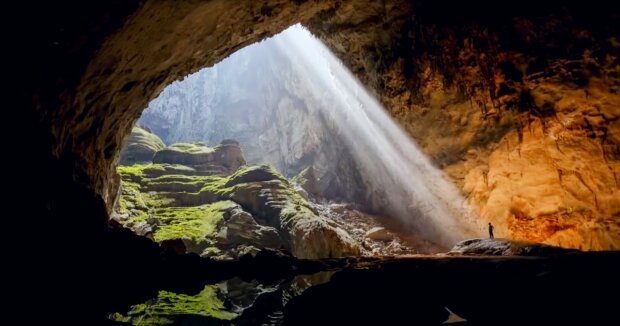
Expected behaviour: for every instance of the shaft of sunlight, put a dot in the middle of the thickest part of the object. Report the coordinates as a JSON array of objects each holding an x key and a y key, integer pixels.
[{"x": 399, "y": 174}]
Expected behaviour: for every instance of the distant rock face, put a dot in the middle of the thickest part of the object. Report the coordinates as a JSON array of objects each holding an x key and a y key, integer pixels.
[
  {"x": 224, "y": 158},
  {"x": 140, "y": 147},
  {"x": 258, "y": 97}
]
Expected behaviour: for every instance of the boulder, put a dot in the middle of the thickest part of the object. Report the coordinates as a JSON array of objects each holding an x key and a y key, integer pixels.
[
  {"x": 140, "y": 147},
  {"x": 504, "y": 247},
  {"x": 240, "y": 228},
  {"x": 380, "y": 234}
]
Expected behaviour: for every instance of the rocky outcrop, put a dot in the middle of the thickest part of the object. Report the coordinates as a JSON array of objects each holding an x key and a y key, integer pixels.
[
  {"x": 273, "y": 201},
  {"x": 89, "y": 68},
  {"x": 379, "y": 233},
  {"x": 140, "y": 147},
  {"x": 225, "y": 158},
  {"x": 240, "y": 228},
  {"x": 504, "y": 247},
  {"x": 260, "y": 96},
  {"x": 521, "y": 113},
  {"x": 190, "y": 194},
  {"x": 453, "y": 80}
]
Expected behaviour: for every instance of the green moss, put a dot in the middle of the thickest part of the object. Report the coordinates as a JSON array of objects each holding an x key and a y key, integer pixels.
[
  {"x": 168, "y": 306},
  {"x": 183, "y": 183},
  {"x": 133, "y": 173},
  {"x": 211, "y": 252},
  {"x": 140, "y": 147},
  {"x": 198, "y": 224},
  {"x": 148, "y": 139},
  {"x": 215, "y": 186},
  {"x": 197, "y": 148},
  {"x": 302, "y": 177},
  {"x": 255, "y": 173}
]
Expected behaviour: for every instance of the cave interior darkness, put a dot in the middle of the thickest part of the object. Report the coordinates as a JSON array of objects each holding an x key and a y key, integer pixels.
[{"x": 87, "y": 70}]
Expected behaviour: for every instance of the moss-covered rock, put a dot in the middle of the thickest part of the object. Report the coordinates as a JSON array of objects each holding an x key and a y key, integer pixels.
[
  {"x": 222, "y": 159},
  {"x": 273, "y": 200},
  {"x": 216, "y": 215},
  {"x": 140, "y": 147},
  {"x": 169, "y": 306}
]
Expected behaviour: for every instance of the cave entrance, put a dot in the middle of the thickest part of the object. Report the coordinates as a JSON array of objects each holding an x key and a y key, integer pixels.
[{"x": 279, "y": 146}]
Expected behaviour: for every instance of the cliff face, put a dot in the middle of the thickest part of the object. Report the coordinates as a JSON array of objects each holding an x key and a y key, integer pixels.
[
  {"x": 520, "y": 110},
  {"x": 254, "y": 96},
  {"x": 259, "y": 97},
  {"x": 86, "y": 70}
]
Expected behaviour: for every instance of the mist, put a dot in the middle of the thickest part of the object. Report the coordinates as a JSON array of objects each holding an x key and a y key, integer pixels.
[{"x": 292, "y": 91}]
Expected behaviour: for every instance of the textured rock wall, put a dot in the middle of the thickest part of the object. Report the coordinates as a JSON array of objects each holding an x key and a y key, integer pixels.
[
  {"x": 259, "y": 97},
  {"x": 464, "y": 82},
  {"x": 519, "y": 107}
]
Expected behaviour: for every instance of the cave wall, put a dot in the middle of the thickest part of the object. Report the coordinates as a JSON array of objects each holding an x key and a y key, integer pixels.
[
  {"x": 517, "y": 103},
  {"x": 497, "y": 96},
  {"x": 487, "y": 91}
]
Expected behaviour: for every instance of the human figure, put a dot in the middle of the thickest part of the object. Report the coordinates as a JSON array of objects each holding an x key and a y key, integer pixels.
[{"x": 491, "y": 231}]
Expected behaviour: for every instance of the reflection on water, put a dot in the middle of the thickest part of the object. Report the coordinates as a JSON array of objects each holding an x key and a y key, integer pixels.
[{"x": 234, "y": 301}]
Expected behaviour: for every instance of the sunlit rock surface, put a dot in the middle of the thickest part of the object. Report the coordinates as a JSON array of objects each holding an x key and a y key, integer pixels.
[{"x": 524, "y": 120}]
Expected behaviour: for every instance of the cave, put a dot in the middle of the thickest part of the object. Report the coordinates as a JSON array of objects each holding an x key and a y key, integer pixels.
[{"x": 514, "y": 105}]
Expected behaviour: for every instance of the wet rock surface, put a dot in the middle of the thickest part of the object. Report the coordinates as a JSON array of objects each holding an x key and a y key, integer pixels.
[
  {"x": 504, "y": 247},
  {"x": 427, "y": 290},
  {"x": 503, "y": 290}
]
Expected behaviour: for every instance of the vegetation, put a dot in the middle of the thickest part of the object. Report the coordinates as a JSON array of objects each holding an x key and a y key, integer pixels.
[
  {"x": 198, "y": 224},
  {"x": 179, "y": 205},
  {"x": 168, "y": 306},
  {"x": 147, "y": 138},
  {"x": 140, "y": 147},
  {"x": 196, "y": 148}
]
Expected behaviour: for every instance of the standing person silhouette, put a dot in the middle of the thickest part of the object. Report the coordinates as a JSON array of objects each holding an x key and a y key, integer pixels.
[{"x": 491, "y": 231}]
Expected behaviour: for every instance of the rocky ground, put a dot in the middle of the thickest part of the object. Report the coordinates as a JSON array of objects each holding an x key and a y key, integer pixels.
[{"x": 193, "y": 198}]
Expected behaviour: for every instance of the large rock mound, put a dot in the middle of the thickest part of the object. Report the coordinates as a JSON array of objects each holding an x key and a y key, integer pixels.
[
  {"x": 140, "y": 147},
  {"x": 222, "y": 159},
  {"x": 504, "y": 247}
]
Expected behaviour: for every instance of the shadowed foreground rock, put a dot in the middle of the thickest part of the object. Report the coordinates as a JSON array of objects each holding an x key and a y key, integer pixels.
[
  {"x": 565, "y": 289},
  {"x": 504, "y": 247}
]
